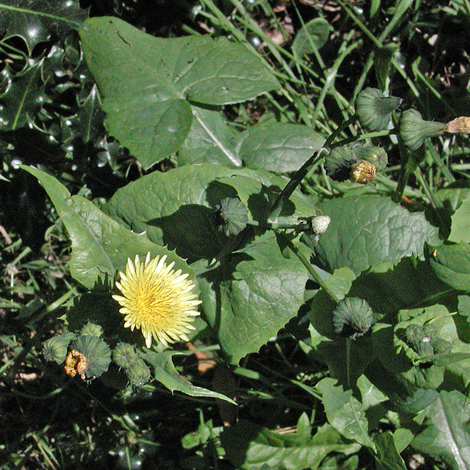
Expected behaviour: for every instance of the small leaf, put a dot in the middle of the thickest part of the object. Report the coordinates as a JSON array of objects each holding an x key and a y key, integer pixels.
[
  {"x": 460, "y": 230},
  {"x": 166, "y": 373},
  {"x": 278, "y": 147},
  {"x": 249, "y": 446},
  {"x": 447, "y": 435},
  {"x": 387, "y": 457},
  {"x": 312, "y": 36},
  {"x": 451, "y": 263},
  {"x": 23, "y": 98},
  {"x": 345, "y": 413}
]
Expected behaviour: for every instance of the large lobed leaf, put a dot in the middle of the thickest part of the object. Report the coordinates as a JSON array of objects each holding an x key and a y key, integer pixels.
[
  {"x": 149, "y": 84},
  {"x": 100, "y": 245}
]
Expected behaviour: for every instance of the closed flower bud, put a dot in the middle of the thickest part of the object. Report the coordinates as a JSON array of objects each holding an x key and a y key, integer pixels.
[
  {"x": 460, "y": 125},
  {"x": 90, "y": 329},
  {"x": 441, "y": 346},
  {"x": 429, "y": 330},
  {"x": 418, "y": 341},
  {"x": 231, "y": 216},
  {"x": 374, "y": 109},
  {"x": 414, "y": 129},
  {"x": 414, "y": 334},
  {"x": 375, "y": 155},
  {"x": 55, "y": 349},
  {"x": 125, "y": 355},
  {"x": 139, "y": 373},
  {"x": 353, "y": 317},
  {"x": 97, "y": 353},
  {"x": 340, "y": 158}
]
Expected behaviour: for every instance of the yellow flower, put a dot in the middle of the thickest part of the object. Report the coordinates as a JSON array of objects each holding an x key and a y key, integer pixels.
[{"x": 157, "y": 299}]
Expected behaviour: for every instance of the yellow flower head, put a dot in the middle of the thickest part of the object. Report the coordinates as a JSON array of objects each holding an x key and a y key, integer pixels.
[{"x": 157, "y": 299}]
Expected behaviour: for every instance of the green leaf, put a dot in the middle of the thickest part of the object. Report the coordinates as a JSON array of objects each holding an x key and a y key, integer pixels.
[
  {"x": 100, "y": 245},
  {"x": 210, "y": 140},
  {"x": 408, "y": 283},
  {"x": 345, "y": 413},
  {"x": 37, "y": 20},
  {"x": 166, "y": 373},
  {"x": 387, "y": 457},
  {"x": 278, "y": 147},
  {"x": 249, "y": 446},
  {"x": 250, "y": 299},
  {"x": 460, "y": 231},
  {"x": 311, "y": 37},
  {"x": 447, "y": 435},
  {"x": 168, "y": 206},
  {"x": 451, "y": 263},
  {"x": 382, "y": 62},
  {"x": 365, "y": 231},
  {"x": 23, "y": 98},
  {"x": 147, "y": 83}
]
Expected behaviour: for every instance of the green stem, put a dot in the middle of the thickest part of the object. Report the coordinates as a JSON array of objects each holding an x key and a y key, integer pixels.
[
  {"x": 304, "y": 169},
  {"x": 310, "y": 268}
]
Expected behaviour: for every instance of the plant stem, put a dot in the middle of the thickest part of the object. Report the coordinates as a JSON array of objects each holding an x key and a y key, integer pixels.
[
  {"x": 310, "y": 268},
  {"x": 304, "y": 169}
]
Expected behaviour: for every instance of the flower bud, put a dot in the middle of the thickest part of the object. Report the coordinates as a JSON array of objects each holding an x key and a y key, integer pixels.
[
  {"x": 96, "y": 352},
  {"x": 414, "y": 129},
  {"x": 91, "y": 329},
  {"x": 231, "y": 216},
  {"x": 125, "y": 355},
  {"x": 55, "y": 349},
  {"x": 374, "y": 109},
  {"x": 418, "y": 341},
  {"x": 441, "y": 346},
  {"x": 139, "y": 373},
  {"x": 353, "y": 317}
]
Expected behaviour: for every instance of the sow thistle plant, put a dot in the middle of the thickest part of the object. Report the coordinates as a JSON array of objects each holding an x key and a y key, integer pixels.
[{"x": 224, "y": 250}]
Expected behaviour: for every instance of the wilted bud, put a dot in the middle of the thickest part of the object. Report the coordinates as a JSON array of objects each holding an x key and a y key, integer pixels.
[
  {"x": 97, "y": 354},
  {"x": 231, "y": 216},
  {"x": 374, "y": 109},
  {"x": 91, "y": 329},
  {"x": 359, "y": 163},
  {"x": 414, "y": 129},
  {"x": 320, "y": 223},
  {"x": 460, "y": 125},
  {"x": 363, "y": 172},
  {"x": 125, "y": 355},
  {"x": 139, "y": 373},
  {"x": 353, "y": 317},
  {"x": 55, "y": 349},
  {"x": 76, "y": 363}
]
